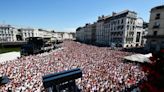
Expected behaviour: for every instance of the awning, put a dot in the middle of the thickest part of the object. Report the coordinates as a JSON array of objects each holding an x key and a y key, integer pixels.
[{"x": 139, "y": 58}]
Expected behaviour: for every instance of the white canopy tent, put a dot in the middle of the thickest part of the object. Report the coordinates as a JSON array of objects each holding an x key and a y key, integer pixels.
[
  {"x": 139, "y": 58},
  {"x": 9, "y": 56}
]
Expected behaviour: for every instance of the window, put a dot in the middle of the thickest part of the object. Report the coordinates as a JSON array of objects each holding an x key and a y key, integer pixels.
[
  {"x": 156, "y": 25},
  {"x": 128, "y": 21},
  {"x": 133, "y": 27},
  {"x": 114, "y": 28},
  {"x": 111, "y": 28},
  {"x": 127, "y": 27},
  {"x": 157, "y": 16},
  {"x": 109, "y": 25},
  {"x": 118, "y": 21},
  {"x": 130, "y": 28},
  {"x": 155, "y": 33},
  {"x": 122, "y": 21},
  {"x": 122, "y": 27},
  {"x": 121, "y": 33},
  {"x": 19, "y": 30},
  {"x": 131, "y": 21},
  {"x": 118, "y": 27},
  {"x": 138, "y": 37}
]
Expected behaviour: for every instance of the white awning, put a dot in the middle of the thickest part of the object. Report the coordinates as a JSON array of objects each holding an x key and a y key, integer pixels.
[
  {"x": 9, "y": 56},
  {"x": 139, "y": 58}
]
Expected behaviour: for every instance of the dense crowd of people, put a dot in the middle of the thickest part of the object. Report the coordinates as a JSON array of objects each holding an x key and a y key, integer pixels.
[{"x": 103, "y": 69}]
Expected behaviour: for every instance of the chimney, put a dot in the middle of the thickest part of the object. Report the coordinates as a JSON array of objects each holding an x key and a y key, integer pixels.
[
  {"x": 99, "y": 17},
  {"x": 114, "y": 13},
  {"x": 102, "y": 16}
]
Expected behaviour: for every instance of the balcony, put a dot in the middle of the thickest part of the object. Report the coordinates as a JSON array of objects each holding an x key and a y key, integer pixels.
[
  {"x": 157, "y": 17},
  {"x": 156, "y": 26},
  {"x": 154, "y": 36}
]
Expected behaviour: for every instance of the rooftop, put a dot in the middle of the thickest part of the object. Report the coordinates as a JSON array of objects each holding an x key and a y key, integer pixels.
[
  {"x": 158, "y": 7},
  {"x": 125, "y": 11},
  {"x": 5, "y": 26}
]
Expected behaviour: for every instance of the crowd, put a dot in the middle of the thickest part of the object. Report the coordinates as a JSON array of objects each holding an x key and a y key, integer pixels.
[{"x": 103, "y": 69}]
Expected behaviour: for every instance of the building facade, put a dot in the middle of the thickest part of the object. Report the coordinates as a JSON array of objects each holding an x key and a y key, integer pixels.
[
  {"x": 87, "y": 33},
  {"x": 101, "y": 35},
  {"x": 13, "y": 34},
  {"x": 45, "y": 33},
  {"x": 80, "y": 34},
  {"x": 7, "y": 33},
  {"x": 124, "y": 29},
  {"x": 68, "y": 36},
  {"x": 24, "y": 33},
  {"x": 155, "y": 37},
  {"x": 144, "y": 34}
]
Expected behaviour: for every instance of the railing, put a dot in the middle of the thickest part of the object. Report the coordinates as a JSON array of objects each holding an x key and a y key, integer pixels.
[
  {"x": 62, "y": 81},
  {"x": 154, "y": 36}
]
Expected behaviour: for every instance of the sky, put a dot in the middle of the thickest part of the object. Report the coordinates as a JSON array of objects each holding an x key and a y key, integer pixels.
[{"x": 67, "y": 15}]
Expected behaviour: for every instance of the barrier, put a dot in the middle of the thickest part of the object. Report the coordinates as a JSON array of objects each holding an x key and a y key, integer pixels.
[{"x": 64, "y": 80}]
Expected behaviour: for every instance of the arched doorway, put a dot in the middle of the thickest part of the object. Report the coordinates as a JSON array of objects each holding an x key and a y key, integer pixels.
[{"x": 19, "y": 38}]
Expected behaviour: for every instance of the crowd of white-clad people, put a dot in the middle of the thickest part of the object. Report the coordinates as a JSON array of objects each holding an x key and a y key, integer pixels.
[{"x": 103, "y": 69}]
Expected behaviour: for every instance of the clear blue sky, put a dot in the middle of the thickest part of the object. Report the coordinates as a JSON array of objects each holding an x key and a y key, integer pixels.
[{"x": 67, "y": 15}]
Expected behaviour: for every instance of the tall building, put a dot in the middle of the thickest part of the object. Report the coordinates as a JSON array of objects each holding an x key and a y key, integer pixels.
[
  {"x": 102, "y": 36},
  {"x": 7, "y": 33},
  {"x": 87, "y": 33},
  {"x": 93, "y": 33},
  {"x": 155, "y": 37},
  {"x": 80, "y": 34},
  {"x": 90, "y": 33},
  {"x": 144, "y": 34},
  {"x": 123, "y": 29},
  {"x": 24, "y": 33}
]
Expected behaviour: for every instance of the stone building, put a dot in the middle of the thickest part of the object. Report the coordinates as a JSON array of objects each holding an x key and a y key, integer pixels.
[
  {"x": 155, "y": 37},
  {"x": 102, "y": 35},
  {"x": 87, "y": 33},
  {"x": 124, "y": 29},
  {"x": 8, "y": 33}
]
